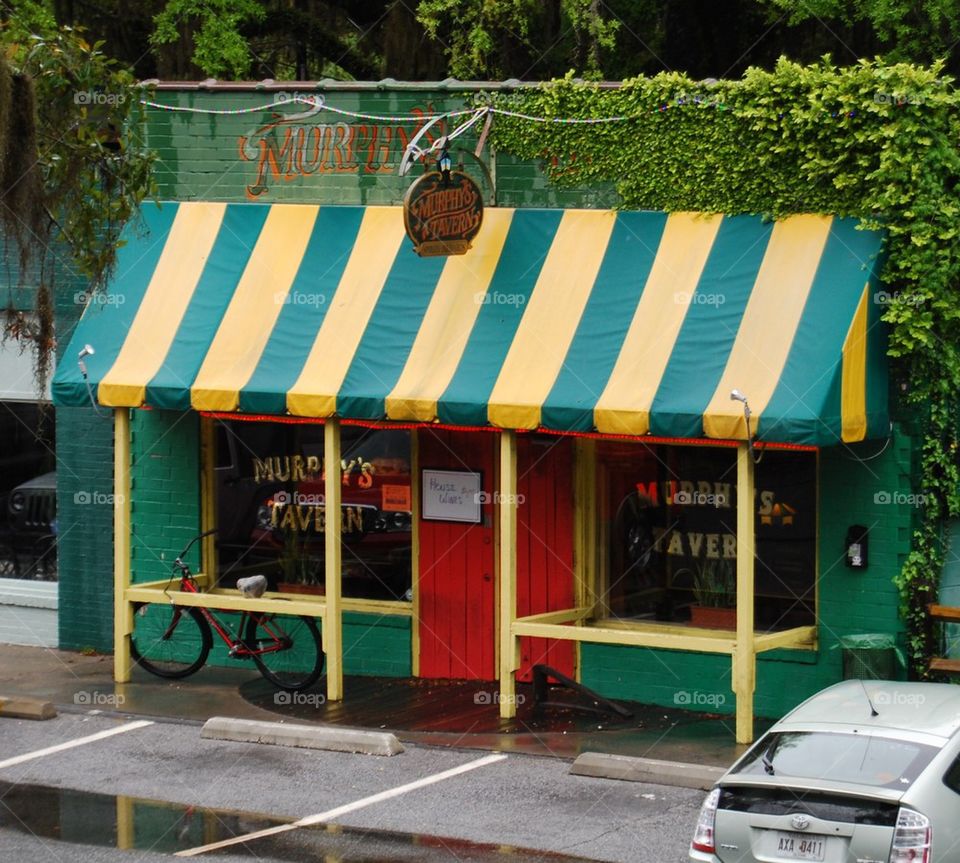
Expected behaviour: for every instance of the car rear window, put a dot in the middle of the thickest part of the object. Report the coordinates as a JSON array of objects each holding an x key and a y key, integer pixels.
[{"x": 860, "y": 759}]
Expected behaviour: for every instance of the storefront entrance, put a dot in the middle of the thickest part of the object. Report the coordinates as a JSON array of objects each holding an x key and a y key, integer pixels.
[{"x": 457, "y": 585}]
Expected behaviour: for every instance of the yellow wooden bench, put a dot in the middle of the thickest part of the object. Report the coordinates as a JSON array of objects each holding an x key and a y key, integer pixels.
[{"x": 945, "y": 614}]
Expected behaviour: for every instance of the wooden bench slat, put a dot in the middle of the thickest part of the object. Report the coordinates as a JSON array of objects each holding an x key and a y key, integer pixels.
[
  {"x": 943, "y": 612},
  {"x": 949, "y": 665}
]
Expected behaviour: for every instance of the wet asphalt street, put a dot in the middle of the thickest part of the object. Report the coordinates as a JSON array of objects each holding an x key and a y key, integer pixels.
[{"x": 157, "y": 788}]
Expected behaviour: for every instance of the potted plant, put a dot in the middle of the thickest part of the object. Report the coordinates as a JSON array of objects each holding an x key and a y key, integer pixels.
[
  {"x": 299, "y": 570},
  {"x": 715, "y": 595}
]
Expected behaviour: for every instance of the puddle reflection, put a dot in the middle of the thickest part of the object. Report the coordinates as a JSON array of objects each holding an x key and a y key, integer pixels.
[{"x": 88, "y": 818}]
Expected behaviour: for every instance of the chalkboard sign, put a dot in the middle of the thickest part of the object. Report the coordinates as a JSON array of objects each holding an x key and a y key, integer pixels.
[{"x": 452, "y": 495}]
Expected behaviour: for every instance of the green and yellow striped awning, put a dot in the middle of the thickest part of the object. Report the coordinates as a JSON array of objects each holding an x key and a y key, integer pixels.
[{"x": 627, "y": 323}]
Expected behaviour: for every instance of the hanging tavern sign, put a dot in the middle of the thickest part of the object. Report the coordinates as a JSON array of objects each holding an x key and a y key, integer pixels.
[{"x": 442, "y": 217}]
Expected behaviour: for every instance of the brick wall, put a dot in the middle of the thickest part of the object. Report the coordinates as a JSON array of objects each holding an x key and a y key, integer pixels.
[
  {"x": 84, "y": 497},
  {"x": 327, "y": 158},
  {"x": 376, "y": 645},
  {"x": 850, "y": 601},
  {"x": 373, "y": 644},
  {"x": 85, "y": 526},
  {"x": 165, "y": 491},
  {"x": 164, "y": 508}
]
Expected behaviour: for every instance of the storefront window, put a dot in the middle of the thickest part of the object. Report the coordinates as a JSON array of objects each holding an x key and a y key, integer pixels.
[
  {"x": 28, "y": 492},
  {"x": 667, "y": 534},
  {"x": 272, "y": 517}
]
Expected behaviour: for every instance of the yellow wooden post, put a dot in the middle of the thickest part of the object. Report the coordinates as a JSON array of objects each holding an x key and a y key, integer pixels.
[
  {"x": 122, "y": 609},
  {"x": 509, "y": 643},
  {"x": 126, "y": 838},
  {"x": 584, "y": 530},
  {"x": 585, "y": 523},
  {"x": 745, "y": 656},
  {"x": 208, "y": 498},
  {"x": 211, "y": 823},
  {"x": 332, "y": 618}
]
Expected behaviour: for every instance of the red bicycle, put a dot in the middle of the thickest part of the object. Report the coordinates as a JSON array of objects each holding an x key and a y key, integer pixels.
[{"x": 173, "y": 641}]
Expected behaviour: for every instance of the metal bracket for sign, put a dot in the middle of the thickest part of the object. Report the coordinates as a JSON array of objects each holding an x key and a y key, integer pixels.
[
  {"x": 414, "y": 152},
  {"x": 541, "y": 692},
  {"x": 486, "y": 174}
]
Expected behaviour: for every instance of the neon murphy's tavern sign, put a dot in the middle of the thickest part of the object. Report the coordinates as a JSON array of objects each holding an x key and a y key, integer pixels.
[{"x": 440, "y": 218}]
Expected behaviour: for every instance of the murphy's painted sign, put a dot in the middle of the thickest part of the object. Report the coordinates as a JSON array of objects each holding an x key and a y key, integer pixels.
[
  {"x": 293, "y": 147},
  {"x": 442, "y": 217}
]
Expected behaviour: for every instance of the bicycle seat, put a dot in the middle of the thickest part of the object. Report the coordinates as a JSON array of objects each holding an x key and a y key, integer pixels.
[{"x": 253, "y": 586}]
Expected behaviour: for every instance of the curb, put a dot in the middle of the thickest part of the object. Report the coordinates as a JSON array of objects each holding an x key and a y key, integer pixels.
[
  {"x": 327, "y": 737},
  {"x": 676, "y": 773},
  {"x": 26, "y": 708}
]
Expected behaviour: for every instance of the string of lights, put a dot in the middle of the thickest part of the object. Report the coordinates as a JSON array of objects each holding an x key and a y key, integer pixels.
[{"x": 318, "y": 105}]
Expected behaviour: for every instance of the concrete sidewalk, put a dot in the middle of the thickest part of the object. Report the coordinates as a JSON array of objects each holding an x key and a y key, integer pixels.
[{"x": 78, "y": 682}]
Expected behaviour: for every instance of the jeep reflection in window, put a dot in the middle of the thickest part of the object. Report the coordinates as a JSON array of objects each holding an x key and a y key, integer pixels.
[{"x": 28, "y": 494}]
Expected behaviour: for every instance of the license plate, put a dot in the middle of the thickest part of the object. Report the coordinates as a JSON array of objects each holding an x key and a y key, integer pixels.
[{"x": 798, "y": 846}]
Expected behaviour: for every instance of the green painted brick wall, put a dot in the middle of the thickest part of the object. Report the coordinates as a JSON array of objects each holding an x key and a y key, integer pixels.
[
  {"x": 164, "y": 509},
  {"x": 164, "y": 489},
  {"x": 377, "y": 645},
  {"x": 327, "y": 158},
  {"x": 84, "y": 494},
  {"x": 854, "y": 488},
  {"x": 85, "y": 529},
  {"x": 373, "y": 645},
  {"x": 524, "y": 184}
]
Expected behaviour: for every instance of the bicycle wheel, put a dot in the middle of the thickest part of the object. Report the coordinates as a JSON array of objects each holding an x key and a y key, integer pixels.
[
  {"x": 292, "y": 657},
  {"x": 169, "y": 640}
]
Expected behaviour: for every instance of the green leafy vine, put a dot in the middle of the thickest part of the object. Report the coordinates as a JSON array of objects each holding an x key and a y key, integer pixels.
[{"x": 879, "y": 142}]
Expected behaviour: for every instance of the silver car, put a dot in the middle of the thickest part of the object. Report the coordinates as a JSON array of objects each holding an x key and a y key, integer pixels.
[{"x": 862, "y": 772}]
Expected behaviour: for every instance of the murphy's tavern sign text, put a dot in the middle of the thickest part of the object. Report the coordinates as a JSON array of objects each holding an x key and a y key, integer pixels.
[{"x": 442, "y": 215}]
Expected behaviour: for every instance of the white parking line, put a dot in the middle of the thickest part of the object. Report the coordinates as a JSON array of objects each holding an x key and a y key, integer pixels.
[
  {"x": 70, "y": 744},
  {"x": 330, "y": 814}
]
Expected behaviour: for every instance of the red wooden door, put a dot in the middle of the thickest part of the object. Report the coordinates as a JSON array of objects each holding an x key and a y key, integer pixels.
[
  {"x": 457, "y": 568},
  {"x": 545, "y": 544}
]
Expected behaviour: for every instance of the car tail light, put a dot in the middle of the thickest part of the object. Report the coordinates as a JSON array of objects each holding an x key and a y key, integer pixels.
[
  {"x": 703, "y": 836},
  {"x": 911, "y": 838}
]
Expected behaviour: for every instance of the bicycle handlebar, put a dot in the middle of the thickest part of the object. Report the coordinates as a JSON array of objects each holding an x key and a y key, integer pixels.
[{"x": 192, "y": 541}]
